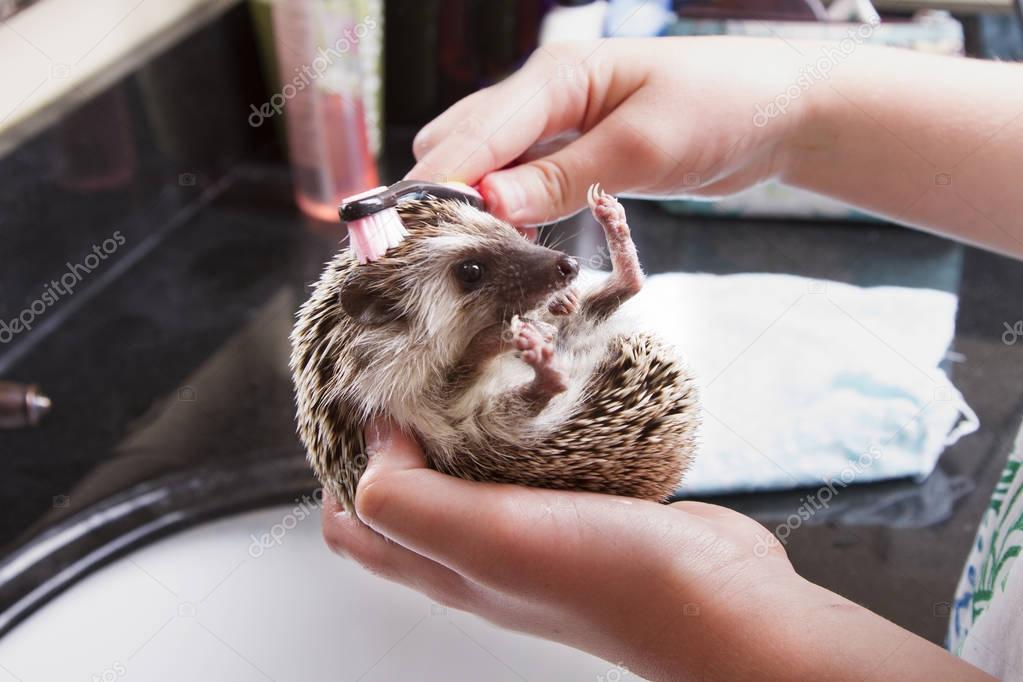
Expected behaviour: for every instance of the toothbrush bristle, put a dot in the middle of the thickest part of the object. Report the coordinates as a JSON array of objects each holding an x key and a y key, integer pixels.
[
  {"x": 357, "y": 239},
  {"x": 377, "y": 234},
  {"x": 393, "y": 228},
  {"x": 370, "y": 237}
]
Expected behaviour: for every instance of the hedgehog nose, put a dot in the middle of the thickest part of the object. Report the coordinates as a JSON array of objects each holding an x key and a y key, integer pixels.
[{"x": 568, "y": 268}]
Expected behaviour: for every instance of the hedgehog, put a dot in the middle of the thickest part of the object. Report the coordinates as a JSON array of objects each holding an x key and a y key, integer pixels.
[{"x": 497, "y": 356}]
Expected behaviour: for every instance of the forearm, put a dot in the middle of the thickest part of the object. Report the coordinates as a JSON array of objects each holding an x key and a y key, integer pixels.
[
  {"x": 837, "y": 639},
  {"x": 932, "y": 142},
  {"x": 798, "y": 630}
]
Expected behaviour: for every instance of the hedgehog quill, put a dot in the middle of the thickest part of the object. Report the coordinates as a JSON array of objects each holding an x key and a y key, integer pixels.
[{"x": 491, "y": 350}]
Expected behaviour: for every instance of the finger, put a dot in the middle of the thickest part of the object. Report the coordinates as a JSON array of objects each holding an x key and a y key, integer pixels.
[
  {"x": 504, "y": 536},
  {"x": 495, "y": 126},
  {"x": 616, "y": 153},
  {"x": 347, "y": 536},
  {"x": 458, "y": 115},
  {"x": 563, "y": 65}
]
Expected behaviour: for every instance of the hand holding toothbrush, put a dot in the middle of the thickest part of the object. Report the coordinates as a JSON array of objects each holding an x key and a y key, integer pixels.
[{"x": 706, "y": 117}]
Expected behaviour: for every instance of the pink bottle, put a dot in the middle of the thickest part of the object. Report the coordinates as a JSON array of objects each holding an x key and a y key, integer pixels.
[{"x": 321, "y": 97}]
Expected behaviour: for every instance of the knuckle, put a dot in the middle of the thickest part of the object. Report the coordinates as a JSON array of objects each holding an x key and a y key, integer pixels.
[
  {"x": 356, "y": 542},
  {"x": 486, "y": 152},
  {"x": 541, "y": 57},
  {"x": 422, "y": 143},
  {"x": 556, "y": 181},
  {"x": 341, "y": 535},
  {"x": 470, "y": 127},
  {"x": 570, "y": 51},
  {"x": 335, "y": 539}
]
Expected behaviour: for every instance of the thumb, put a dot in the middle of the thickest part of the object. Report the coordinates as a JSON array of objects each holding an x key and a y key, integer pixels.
[
  {"x": 389, "y": 449},
  {"x": 552, "y": 187}
]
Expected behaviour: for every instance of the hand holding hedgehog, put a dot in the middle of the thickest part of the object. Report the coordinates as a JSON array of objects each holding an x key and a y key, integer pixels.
[
  {"x": 617, "y": 577},
  {"x": 487, "y": 347}
]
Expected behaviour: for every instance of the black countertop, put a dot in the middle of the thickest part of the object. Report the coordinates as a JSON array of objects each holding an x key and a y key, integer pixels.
[{"x": 168, "y": 365}]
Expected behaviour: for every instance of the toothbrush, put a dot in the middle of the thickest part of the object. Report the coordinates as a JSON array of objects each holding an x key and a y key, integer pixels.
[{"x": 372, "y": 217}]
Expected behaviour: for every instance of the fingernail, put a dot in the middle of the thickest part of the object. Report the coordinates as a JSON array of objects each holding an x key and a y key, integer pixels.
[{"x": 379, "y": 433}]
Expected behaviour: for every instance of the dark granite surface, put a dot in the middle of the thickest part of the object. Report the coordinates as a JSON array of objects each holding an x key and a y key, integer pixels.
[{"x": 172, "y": 401}]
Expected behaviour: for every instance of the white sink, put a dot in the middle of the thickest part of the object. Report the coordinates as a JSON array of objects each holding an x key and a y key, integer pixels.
[{"x": 212, "y": 604}]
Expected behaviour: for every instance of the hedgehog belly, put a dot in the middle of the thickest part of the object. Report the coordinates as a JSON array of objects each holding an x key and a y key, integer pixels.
[{"x": 632, "y": 434}]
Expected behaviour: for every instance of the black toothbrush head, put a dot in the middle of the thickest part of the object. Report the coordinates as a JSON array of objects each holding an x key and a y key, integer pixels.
[{"x": 365, "y": 205}]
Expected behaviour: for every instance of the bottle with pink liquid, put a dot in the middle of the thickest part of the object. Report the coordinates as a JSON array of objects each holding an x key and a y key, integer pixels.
[{"x": 323, "y": 98}]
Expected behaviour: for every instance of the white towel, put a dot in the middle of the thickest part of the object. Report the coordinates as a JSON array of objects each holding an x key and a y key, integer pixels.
[{"x": 808, "y": 382}]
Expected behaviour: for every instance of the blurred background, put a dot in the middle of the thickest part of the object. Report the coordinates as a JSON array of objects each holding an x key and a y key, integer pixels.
[{"x": 169, "y": 179}]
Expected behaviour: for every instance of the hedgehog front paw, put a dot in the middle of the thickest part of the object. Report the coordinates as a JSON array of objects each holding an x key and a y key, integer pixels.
[
  {"x": 512, "y": 332},
  {"x": 537, "y": 351},
  {"x": 533, "y": 347},
  {"x": 564, "y": 302},
  {"x": 548, "y": 331},
  {"x": 609, "y": 213}
]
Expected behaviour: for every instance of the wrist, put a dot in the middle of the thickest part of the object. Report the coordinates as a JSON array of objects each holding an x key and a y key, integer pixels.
[
  {"x": 733, "y": 629},
  {"x": 817, "y": 634},
  {"x": 808, "y": 139}
]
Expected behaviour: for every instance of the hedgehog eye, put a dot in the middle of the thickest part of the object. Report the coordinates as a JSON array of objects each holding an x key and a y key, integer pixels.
[{"x": 469, "y": 272}]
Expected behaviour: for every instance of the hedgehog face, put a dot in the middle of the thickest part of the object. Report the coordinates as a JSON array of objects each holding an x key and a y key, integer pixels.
[
  {"x": 458, "y": 269},
  {"x": 499, "y": 276}
]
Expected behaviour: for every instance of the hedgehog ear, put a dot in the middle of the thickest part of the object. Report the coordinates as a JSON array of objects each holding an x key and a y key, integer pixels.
[{"x": 366, "y": 306}]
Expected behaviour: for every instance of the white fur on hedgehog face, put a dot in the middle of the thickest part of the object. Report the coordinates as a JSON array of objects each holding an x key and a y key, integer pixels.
[{"x": 434, "y": 304}]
